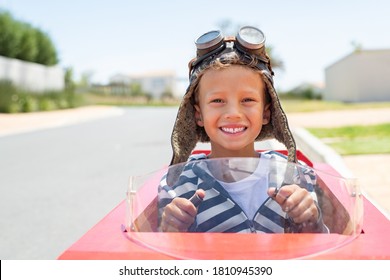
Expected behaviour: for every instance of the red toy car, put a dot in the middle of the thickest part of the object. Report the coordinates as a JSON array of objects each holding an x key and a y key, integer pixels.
[{"x": 130, "y": 231}]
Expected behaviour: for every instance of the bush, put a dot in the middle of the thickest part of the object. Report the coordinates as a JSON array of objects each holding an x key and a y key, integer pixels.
[
  {"x": 27, "y": 104},
  {"x": 8, "y": 96},
  {"x": 45, "y": 104},
  {"x": 304, "y": 92},
  {"x": 14, "y": 100}
]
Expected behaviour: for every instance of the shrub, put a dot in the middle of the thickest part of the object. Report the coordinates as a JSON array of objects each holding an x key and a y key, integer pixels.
[
  {"x": 14, "y": 100},
  {"x": 8, "y": 96},
  {"x": 29, "y": 104}
]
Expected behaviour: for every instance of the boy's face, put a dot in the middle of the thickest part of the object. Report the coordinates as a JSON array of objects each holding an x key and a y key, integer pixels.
[{"x": 232, "y": 110}]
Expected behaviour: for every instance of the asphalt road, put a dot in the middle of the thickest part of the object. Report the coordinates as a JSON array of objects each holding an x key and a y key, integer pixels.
[{"x": 57, "y": 183}]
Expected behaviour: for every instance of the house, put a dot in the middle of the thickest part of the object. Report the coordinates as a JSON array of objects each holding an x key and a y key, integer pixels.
[
  {"x": 362, "y": 76},
  {"x": 153, "y": 83}
]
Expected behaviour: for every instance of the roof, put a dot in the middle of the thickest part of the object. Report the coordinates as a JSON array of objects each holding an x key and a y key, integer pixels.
[{"x": 358, "y": 52}]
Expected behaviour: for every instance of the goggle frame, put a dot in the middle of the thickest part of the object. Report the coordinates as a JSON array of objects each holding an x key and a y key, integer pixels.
[{"x": 212, "y": 43}]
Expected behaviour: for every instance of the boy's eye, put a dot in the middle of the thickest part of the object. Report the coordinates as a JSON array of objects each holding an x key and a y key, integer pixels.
[
  {"x": 217, "y": 100},
  {"x": 248, "y": 100}
]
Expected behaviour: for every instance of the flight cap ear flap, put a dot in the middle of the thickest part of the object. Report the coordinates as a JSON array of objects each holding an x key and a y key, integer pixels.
[
  {"x": 184, "y": 135},
  {"x": 278, "y": 127}
]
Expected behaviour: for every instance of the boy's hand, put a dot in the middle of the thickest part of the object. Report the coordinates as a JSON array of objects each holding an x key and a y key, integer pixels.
[
  {"x": 297, "y": 203},
  {"x": 180, "y": 214}
]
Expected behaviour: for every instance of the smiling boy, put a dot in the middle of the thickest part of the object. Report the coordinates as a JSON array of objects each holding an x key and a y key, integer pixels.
[{"x": 231, "y": 103}]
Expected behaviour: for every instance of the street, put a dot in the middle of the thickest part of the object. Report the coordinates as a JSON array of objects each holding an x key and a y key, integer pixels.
[{"x": 57, "y": 183}]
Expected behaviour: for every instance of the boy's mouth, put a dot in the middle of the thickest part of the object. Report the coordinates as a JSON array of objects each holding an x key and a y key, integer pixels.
[{"x": 233, "y": 130}]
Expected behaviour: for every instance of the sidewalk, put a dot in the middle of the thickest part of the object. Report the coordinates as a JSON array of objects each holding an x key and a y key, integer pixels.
[
  {"x": 25, "y": 122},
  {"x": 371, "y": 170},
  {"x": 340, "y": 118}
]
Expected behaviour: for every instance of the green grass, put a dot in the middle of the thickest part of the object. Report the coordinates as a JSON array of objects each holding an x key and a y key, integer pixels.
[{"x": 352, "y": 140}]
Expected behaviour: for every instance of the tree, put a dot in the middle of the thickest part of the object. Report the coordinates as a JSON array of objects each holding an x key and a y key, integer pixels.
[
  {"x": 47, "y": 54},
  {"x": 22, "y": 41},
  {"x": 28, "y": 49},
  {"x": 9, "y": 35},
  {"x": 136, "y": 89},
  {"x": 68, "y": 80},
  {"x": 85, "y": 79},
  {"x": 357, "y": 46}
]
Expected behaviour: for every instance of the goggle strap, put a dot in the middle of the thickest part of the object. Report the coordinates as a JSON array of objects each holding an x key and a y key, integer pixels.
[
  {"x": 190, "y": 67},
  {"x": 195, "y": 61}
]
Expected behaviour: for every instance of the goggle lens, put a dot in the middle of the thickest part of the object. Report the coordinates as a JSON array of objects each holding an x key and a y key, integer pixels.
[
  {"x": 209, "y": 39},
  {"x": 251, "y": 38},
  {"x": 208, "y": 42}
]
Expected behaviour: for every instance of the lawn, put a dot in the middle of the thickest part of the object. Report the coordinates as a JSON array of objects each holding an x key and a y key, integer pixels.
[{"x": 352, "y": 140}]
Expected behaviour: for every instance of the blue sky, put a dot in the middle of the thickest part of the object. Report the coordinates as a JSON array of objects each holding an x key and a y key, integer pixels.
[{"x": 129, "y": 37}]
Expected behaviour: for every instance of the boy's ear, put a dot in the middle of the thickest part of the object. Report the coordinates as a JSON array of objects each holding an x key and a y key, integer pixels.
[
  {"x": 267, "y": 113},
  {"x": 198, "y": 116}
]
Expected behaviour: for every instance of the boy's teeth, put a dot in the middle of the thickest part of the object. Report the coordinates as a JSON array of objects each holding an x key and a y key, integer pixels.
[{"x": 232, "y": 130}]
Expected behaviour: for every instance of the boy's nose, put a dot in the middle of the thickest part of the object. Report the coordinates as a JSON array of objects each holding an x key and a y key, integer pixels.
[{"x": 233, "y": 111}]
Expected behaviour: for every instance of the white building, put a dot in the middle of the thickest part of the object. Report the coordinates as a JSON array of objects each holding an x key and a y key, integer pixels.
[
  {"x": 153, "y": 83},
  {"x": 362, "y": 76}
]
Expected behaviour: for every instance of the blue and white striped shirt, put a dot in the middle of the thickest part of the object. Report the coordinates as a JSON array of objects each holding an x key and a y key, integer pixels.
[{"x": 219, "y": 212}]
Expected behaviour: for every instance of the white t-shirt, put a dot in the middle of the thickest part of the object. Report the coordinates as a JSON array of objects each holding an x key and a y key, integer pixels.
[{"x": 250, "y": 192}]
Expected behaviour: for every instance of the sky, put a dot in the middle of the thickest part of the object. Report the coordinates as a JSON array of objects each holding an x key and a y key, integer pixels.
[{"x": 103, "y": 38}]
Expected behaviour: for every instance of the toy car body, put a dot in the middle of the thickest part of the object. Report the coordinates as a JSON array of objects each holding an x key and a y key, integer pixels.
[{"x": 137, "y": 236}]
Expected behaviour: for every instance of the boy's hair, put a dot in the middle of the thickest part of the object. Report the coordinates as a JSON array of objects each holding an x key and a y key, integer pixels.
[{"x": 186, "y": 133}]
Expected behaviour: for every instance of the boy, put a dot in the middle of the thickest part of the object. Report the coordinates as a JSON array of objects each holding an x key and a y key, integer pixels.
[{"x": 231, "y": 103}]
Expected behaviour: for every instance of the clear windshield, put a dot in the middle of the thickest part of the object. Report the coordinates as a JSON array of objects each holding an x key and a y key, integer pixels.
[{"x": 266, "y": 197}]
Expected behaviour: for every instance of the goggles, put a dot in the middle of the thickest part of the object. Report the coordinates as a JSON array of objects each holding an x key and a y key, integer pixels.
[{"x": 249, "y": 41}]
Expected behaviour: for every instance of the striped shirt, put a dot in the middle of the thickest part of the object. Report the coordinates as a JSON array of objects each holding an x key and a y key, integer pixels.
[{"x": 219, "y": 212}]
